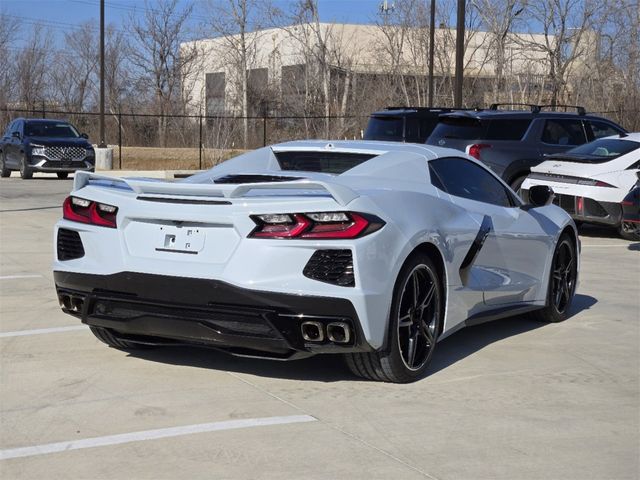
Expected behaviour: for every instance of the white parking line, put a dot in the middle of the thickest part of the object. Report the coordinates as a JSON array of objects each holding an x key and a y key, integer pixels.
[
  {"x": 15, "y": 277},
  {"x": 39, "y": 331},
  {"x": 151, "y": 435}
]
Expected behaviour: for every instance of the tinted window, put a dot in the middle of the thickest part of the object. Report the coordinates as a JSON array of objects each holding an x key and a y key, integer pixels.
[
  {"x": 426, "y": 127},
  {"x": 327, "y": 162},
  {"x": 601, "y": 129},
  {"x": 563, "y": 132},
  {"x": 50, "y": 129},
  {"x": 465, "y": 179},
  {"x": 412, "y": 130},
  {"x": 599, "y": 151},
  {"x": 464, "y": 128},
  {"x": 507, "y": 129},
  {"x": 384, "y": 128}
]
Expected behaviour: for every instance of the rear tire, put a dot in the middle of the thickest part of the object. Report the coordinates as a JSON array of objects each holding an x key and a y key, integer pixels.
[
  {"x": 629, "y": 231},
  {"x": 62, "y": 175},
  {"x": 25, "y": 170},
  {"x": 106, "y": 336},
  {"x": 414, "y": 326},
  {"x": 4, "y": 171},
  {"x": 516, "y": 183},
  {"x": 562, "y": 283}
]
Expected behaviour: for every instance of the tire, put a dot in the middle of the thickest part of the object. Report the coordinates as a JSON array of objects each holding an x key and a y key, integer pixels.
[
  {"x": 4, "y": 171},
  {"x": 516, "y": 183},
  {"x": 417, "y": 309},
  {"x": 25, "y": 170},
  {"x": 106, "y": 336},
  {"x": 629, "y": 231},
  {"x": 562, "y": 283},
  {"x": 62, "y": 175}
]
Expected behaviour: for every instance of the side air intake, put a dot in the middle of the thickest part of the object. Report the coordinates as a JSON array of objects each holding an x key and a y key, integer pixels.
[{"x": 331, "y": 266}]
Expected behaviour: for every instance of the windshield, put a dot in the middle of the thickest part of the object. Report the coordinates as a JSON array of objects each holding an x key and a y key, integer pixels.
[
  {"x": 50, "y": 129},
  {"x": 384, "y": 128},
  {"x": 326, "y": 162},
  {"x": 599, "y": 151}
]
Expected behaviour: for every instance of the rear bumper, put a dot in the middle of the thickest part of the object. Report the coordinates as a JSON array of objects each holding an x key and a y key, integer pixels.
[
  {"x": 159, "y": 309},
  {"x": 586, "y": 210}
]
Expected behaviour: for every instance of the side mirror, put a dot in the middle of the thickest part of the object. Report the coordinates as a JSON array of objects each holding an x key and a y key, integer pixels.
[
  {"x": 15, "y": 135},
  {"x": 541, "y": 195},
  {"x": 84, "y": 135}
]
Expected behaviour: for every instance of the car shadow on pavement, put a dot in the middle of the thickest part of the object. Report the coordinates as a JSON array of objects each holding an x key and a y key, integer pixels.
[
  {"x": 331, "y": 368},
  {"x": 634, "y": 247},
  {"x": 472, "y": 339},
  {"x": 597, "y": 231}
]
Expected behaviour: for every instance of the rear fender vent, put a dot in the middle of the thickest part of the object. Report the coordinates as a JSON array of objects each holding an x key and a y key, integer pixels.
[
  {"x": 69, "y": 245},
  {"x": 331, "y": 266}
]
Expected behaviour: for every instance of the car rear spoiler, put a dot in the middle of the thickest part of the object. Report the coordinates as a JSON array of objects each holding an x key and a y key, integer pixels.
[{"x": 340, "y": 193}]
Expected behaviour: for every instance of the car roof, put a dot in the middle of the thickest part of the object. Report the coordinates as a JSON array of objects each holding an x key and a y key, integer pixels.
[
  {"x": 515, "y": 114},
  {"x": 410, "y": 112},
  {"x": 42, "y": 120}
]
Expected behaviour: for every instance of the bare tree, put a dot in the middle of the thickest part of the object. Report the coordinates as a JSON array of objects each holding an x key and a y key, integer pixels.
[
  {"x": 565, "y": 25},
  {"x": 234, "y": 22},
  {"x": 31, "y": 64},
  {"x": 9, "y": 28},
  {"x": 156, "y": 53}
]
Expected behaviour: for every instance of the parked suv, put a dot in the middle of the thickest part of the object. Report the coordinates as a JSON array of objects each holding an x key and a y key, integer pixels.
[
  {"x": 403, "y": 124},
  {"x": 510, "y": 142},
  {"x": 38, "y": 145}
]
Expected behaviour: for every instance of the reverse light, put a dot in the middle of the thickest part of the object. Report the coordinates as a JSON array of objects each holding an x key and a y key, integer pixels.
[
  {"x": 324, "y": 225},
  {"x": 476, "y": 148},
  {"x": 85, "y": 211}
]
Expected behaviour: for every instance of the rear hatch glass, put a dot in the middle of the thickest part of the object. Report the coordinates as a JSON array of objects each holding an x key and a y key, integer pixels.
[
  {"x": 385, "y": 127},
  {"x": 466, "y": 128},
  {"x": 598, "y": 151},
  {"x": 325, "y": 162}
]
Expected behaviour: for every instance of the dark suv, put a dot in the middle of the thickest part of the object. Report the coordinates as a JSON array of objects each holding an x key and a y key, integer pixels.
[
  {"x": 403, "y": 124},
  {"x": 510, "y": 142},
  {"x": 38, "y": 145}
]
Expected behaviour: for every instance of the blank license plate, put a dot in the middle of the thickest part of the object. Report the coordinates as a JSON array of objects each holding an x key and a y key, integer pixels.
[{"x": 180, "y": 240}]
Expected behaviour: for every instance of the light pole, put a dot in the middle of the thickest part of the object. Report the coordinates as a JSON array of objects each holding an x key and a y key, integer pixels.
[
  {"x": 459, "y": 54},
  {"x": 102, "y": 143},
  {"x": 432, "y": 36}
]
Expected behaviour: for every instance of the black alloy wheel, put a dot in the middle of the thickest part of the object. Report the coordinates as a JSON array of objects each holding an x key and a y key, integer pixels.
[
  {"x": 562, "y": 284},
  {"x": 414, "y": 326},
  {"x": 418, "y": 317}
]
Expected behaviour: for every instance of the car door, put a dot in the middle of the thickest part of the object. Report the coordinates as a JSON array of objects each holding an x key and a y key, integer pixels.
[{"x": 508, "y": 258}]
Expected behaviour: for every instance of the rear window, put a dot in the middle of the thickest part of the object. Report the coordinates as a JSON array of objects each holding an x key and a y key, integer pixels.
[
  {"x": 325, "y": 162},
  {"x": 384, "y": 128},
  {"x": 507, "y": 129},
  {"x": 599, "y": 151},
  {"x": 464, "y": 128}
]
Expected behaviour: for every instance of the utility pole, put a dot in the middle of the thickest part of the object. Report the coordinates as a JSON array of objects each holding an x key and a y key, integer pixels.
[
  {"x": 102, "y": 143},
  {"x": 432, "y": 36},
  {"x": 459, "y": 54}
]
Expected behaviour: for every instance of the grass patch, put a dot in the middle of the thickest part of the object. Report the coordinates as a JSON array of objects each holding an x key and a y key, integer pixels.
[{"x": 153, "y": 158}]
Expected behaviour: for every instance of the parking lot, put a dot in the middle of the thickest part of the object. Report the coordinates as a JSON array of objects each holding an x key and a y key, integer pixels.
[{"x": 513, "y": 399}]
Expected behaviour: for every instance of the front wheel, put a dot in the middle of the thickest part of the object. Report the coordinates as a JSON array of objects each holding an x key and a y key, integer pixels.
[
  {"x": 25, "y": 170},
  {"x": 414, "y": 326},
  {"x": 4, "y": 171},
  {"x": 629, "y": 231},
  {"x": 516, "y": 184},
  {"x": 562, "y": 283}
]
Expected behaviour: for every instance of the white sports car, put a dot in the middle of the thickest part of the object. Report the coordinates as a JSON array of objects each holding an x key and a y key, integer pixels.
[
  {"x": 369, "y": 249},
  {"x": 591, "y": 181}
]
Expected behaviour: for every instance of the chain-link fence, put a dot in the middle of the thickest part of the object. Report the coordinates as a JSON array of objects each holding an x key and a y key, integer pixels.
[{"x": 149, "y": 142}]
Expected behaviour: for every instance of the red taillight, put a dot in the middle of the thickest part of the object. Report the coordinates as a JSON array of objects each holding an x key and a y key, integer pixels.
[
  {"x": 580, "y": 205},
  {"x": 324, "y": 225},
  {"x": 85, "y": 211},
  {"x": 603, "y": 184},
  {"x": 476, "y": 148}
]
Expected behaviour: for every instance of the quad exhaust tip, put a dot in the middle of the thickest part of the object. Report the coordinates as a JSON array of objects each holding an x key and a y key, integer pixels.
[
  {"x": 339, "y": 332},
  {"x": 312, "y": 331}
]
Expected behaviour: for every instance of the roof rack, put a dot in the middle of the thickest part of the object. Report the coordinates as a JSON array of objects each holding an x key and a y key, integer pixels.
[
  {"x": 429, "y": 109},
  {"x": 579, "y": 109},
  {"x": 534, "y": 108}
]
